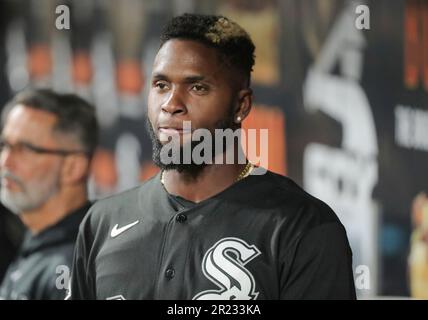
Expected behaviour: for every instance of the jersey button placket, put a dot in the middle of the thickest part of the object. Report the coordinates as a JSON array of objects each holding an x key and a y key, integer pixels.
[
  {"x": 170, "y": 273},
  {"x": 181, "y": 218}
]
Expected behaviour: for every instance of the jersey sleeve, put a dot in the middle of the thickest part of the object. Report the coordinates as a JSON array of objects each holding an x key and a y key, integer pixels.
[
  {"x": 320, "y": 266},
  {"x": 81, "y": 285}
]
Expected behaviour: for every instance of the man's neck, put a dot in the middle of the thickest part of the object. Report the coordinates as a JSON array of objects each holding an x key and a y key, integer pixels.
[
  {"x": 53, "y": 210},
  {"x": 211, "y": 180}
]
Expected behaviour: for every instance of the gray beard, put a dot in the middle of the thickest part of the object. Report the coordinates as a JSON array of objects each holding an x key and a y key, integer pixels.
[{"x": 31, "y": 197}]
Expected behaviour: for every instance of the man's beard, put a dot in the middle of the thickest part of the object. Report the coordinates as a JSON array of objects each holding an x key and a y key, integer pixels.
[
  {"x": 192, "y": 169},
  {"x": 31, "y": 195}
]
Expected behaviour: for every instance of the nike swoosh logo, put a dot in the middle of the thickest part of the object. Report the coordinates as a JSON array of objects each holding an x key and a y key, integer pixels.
[{"x": 116, "y": 231}]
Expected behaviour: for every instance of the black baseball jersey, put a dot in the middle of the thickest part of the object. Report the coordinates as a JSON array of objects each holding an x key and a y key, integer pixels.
[{"x": 261, "y": 238}]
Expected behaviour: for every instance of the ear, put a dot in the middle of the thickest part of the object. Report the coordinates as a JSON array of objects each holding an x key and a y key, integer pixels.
[
  {"x": 245, "y": 101},
  {"x": 75, "y": 169}
]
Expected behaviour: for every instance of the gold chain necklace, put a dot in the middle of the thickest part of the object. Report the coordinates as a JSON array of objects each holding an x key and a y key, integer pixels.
[{"x": 244, "y": 173}]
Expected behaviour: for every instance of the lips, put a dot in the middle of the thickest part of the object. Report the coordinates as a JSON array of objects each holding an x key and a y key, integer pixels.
[
  {"x": 170, "y": 128},
  {"x": 165, "y": 132},
  {"x": 9, "y": 183},
  {"x": 171, "y": 131}
]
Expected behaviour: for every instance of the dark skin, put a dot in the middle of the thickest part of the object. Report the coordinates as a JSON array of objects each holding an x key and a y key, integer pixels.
[{"x": 190, "y": 83}]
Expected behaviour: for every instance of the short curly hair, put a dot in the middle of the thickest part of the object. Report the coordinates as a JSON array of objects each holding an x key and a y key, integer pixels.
[{"x": 233, "y": 43}]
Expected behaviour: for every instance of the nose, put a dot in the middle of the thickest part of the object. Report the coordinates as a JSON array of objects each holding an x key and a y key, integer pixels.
[
  {"x": 174, "y": 103},
  {"x": 6, "y": 158}
]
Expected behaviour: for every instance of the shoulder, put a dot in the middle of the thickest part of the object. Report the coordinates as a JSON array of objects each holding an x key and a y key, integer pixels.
[
  {"x": 121, "y": 203},
  {"x": 293, "y": 203},
  {"x": 306, "y": 222},
  {"x": 120, "y": 208}
]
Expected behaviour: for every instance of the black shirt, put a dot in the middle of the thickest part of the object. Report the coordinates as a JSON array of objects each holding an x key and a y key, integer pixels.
[
  {"x": 261, "y": 238},
  {"x": 40, "y": 270},
  {"x": 11, "y": 235}
]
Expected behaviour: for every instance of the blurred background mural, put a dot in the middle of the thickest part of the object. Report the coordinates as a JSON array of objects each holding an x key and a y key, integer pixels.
[{"x": 346, "y": 107}]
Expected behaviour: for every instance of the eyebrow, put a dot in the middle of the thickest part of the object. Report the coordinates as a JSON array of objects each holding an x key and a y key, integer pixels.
[
  {"x": 3, "y": 139},
  {"x": 159, "y": 76},
  {"x": 189, "y": 79}
]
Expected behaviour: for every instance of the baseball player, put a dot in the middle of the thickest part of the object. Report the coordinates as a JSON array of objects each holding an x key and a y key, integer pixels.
[{"x": 209, "y": 230}]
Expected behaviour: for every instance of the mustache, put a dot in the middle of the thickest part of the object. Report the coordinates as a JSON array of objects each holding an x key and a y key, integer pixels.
[{"x": 13, "y": 177}]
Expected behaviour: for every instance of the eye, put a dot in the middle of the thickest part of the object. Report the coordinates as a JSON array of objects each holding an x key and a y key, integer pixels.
[
  {"x": 199, "y": 88},
  {"x": 161, "y": 85}
]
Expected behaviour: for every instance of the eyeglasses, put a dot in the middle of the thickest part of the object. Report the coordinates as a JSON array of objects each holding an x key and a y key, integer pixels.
[{"x": 26, "y": 147}]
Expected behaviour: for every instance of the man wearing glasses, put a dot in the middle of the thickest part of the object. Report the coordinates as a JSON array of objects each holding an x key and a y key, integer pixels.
[{"x": 46, "y": 146}]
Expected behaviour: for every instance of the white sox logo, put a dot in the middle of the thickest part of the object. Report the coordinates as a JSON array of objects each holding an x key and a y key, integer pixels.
[{"x": 223, "y": 264}]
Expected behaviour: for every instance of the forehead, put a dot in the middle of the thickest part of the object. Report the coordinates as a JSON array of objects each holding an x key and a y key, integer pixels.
[
  {"x": 29, "y": 124},
  {"x": 177, "y": 56}
]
